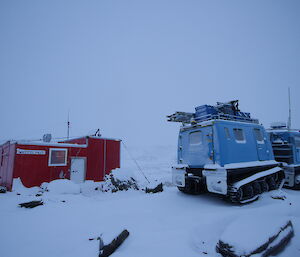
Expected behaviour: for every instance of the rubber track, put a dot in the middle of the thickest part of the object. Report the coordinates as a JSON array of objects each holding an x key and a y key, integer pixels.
[{"x": 233, "y": 192}]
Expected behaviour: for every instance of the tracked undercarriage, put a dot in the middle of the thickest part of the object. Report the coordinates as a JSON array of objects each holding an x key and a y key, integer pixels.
[
  {"x": 250, "y": 189},
  {"x": 239, "y": 186}
]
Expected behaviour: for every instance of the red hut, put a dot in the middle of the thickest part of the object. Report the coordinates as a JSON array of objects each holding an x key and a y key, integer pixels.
[{"x": 80, "y": 159}]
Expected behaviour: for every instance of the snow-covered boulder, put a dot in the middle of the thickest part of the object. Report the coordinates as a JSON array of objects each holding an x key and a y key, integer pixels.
[
  {"x": 61, "y": 186},
  {"x": 251, "y": 235}
]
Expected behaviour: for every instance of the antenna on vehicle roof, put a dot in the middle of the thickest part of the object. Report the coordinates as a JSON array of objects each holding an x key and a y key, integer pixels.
[{"x": 290, "y": 116}]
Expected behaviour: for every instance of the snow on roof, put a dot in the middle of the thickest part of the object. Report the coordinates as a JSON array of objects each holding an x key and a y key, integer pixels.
[
  {"x": 24, "y": 142},
  {"x": 36, "y": 142},
  {"x": 106, "y": 138},
  {"x": 96, "y": 137},
  {"x": 210, "y": 122}
]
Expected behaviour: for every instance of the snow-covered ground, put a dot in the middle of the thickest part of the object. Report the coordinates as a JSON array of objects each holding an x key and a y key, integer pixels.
[{"x": 163, "y": 224}]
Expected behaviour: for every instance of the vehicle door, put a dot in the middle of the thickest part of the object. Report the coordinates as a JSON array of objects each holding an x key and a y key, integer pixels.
[
  {"x": 200, "y": 147},
  {"x": 261, "y": 146}
]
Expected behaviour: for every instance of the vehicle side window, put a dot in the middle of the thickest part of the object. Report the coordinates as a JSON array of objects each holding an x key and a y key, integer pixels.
[
  {"x": 195, "y": 138},
  {"x": 297, "y": 142},
  {"x": 259, "y": 136},
  {"x": 239, "y": 135},
  {"x": 227, "y": 134}
]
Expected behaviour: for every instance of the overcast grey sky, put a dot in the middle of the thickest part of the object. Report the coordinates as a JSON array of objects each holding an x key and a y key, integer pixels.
[{"x": 123, "y": 65}]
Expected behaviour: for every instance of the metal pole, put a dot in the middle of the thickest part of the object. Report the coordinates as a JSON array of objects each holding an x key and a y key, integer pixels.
[
  {"x": 68, "y": 133},
  {"x": 290, "y": 115}
]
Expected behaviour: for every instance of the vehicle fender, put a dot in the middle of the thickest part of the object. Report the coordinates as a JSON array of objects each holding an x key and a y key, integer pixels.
[{"x": 216, "y": 180}]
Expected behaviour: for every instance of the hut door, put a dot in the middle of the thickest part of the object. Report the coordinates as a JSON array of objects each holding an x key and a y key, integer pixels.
[{"x": 77, "y": 170}]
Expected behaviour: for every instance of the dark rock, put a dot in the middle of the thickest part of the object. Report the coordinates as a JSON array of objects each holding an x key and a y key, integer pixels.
[
  {"x": 123, "y": 185},
  {"x": 157, "y": 189},
  {"x": 31, "y": 204},
  {"x": 2, "y": 190},
  {"x": 109, "y": 249}
]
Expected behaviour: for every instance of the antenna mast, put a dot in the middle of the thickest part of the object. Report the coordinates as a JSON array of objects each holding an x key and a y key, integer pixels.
[
  {"x": 290, "y": 115},
  {"x": 68, "y": 123}
]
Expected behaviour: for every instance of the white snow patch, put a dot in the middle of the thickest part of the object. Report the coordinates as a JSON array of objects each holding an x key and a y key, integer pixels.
[
  {"x": 61, "y": 186},
  {"x": 123, "y": 175},
  {"x": 19, "y": 188},
  {"x": 279, "y": 194},
  {"x": 249, "y": 232}
]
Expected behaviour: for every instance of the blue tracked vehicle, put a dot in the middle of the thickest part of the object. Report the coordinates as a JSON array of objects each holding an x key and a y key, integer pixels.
[
  {"x": 224, "y": 151},
  {"x": 286, "y": 148}
]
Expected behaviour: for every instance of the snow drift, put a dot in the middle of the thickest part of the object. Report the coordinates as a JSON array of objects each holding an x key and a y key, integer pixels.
[
  {"x": 251, "y": 235},
  {"x": 61, "y": 186}
]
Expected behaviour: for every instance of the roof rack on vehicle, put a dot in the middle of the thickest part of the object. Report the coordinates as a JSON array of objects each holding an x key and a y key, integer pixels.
[{"x": 223, "y": 111}]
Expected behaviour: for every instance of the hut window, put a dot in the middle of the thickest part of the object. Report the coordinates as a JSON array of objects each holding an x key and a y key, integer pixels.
[
  {"x": 227, "y": 133},
  {"x": 259, "y": 136},
  {"x": 58, "y": 157},
  {"x": 239, "y": 135},
  {"x": 195, "y": 138}
]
